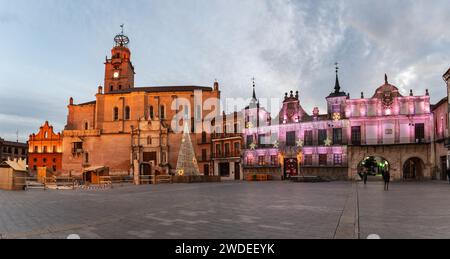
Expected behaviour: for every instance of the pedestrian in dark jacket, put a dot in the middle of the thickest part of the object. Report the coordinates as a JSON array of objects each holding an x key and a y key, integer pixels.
[{"x": 387, "y": 179}]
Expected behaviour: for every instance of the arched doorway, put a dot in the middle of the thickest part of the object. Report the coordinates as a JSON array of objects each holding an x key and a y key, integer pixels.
[
  {"x": 413, "y": 169},
  {"x": 374, "y": 166}
]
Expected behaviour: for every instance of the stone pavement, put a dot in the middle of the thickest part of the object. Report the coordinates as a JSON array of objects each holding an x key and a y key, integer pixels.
[
  {"x": 230, "y": 210},
  {"x": 409, "y": 210}
]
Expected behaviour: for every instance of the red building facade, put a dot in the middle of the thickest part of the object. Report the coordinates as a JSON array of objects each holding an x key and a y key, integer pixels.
[{"x": 45, "y": 149}]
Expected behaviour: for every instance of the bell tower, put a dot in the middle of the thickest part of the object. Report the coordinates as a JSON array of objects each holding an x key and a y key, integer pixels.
[{"x": 119, "y": 71}]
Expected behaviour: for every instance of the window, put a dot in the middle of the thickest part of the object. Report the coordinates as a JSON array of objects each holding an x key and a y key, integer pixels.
[
  {"x": 86, "y": 158},
  {"x": 356, "y": 135},
  {"x": 308, "y": 138},
  {"x": 116, "y": 114},
  {"x": 262, "y": 140},
  {"x": 44, "y": 160},
  {"x": 35, "y": 160},
  {"x": 290, "y": 138},
  {"x": 111, "y": 88},
  {"x": 120, "y": 87},
  {"x": 323, "y": 159},
  {"x": 127, "y": 113},
  {"x": 308, "y": 160},
  {"x": 249, "y": 141},
  {"x": 227, "y": 149},
  {"x": 261, "y": 161},
  {"x": 322, "y": 136},
  {"x": 337, "y": 159},
  {"x": 337, "y": 136},
  {"x": 249, "y": 160},
  {"x": 86, "y": 126},
  {"x": 235, "y": 128},
  {"x": 45, "y": 149},
  {"x": 36, "y": 149},
  {"x": 16, "y": 151},
  {"x": 162, "y": 113},
  {"x": 54, "y": 168},
  {"x": 274, "y": 160},
  {"x": 77, "y": 147},
  {"x": 420, "y": 132},
  {"x": 218, "y": 149},
  {"x": 149, "y": 140},
  {"x": 237, "y": 148},
  {"x": 54, "y": 160},
  {"x": 46, "y": 135},
  {"x": 152, "y": 113}
]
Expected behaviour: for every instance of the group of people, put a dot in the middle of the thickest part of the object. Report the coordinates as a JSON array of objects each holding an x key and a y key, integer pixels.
[{"x": 385, "y": 174}]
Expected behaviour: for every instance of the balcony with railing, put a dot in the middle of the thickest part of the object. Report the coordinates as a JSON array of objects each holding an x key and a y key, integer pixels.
[{"x": 225, "y": 135}]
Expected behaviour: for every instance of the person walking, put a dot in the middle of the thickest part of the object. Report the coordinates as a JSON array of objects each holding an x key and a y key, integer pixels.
[{"x": 387, "y": 179}]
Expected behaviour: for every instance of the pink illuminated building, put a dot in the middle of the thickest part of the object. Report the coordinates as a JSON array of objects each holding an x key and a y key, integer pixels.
[
  {"x": 296, "y": 142},
  {"x": 395, "y": 131}
]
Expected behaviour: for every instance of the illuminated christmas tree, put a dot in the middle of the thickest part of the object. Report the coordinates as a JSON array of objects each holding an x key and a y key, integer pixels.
[{"x": 187, "y": 163}]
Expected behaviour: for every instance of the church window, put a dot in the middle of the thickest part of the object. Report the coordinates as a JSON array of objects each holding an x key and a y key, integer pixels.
[
  {"x": 162, "y": 114},
  {"x": 152, "y": 113},
  {"x": 86, "y": 126},
  {"x": 116, "y": 114}
]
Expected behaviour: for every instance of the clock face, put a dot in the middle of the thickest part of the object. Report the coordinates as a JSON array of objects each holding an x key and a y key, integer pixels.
[{"x": 116, "y": 74}]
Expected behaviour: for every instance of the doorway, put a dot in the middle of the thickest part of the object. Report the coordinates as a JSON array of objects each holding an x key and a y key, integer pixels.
[
  {"x": 237, "y": 171},
  {"x": 224, "y": 169},
  {"x": 413, "y": 169}
]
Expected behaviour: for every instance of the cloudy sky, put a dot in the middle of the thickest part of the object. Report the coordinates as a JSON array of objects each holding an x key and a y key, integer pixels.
[{"x": 52, "y": 50}]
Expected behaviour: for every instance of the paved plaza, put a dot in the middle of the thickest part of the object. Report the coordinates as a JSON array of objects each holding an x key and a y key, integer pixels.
[{"x": 231, "y": 210}]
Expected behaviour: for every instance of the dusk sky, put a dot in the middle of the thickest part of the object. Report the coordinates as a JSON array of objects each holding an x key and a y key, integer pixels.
[{"x": 52, "y": 50}]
